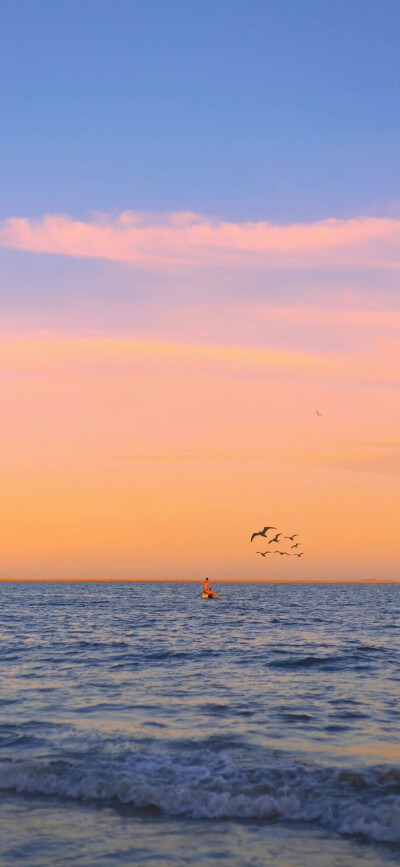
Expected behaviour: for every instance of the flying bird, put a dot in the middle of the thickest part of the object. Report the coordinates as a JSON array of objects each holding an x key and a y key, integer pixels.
[
  {"x": 262, "y": 532},
  {"x": 282, "y": 553},
  {"x": 296, "y": 545},
  {"x": 291, "y": 537},
  {"x": 299, "y": 555},
  {"x": 318, "y": 413},
  {"x": 275, "y": 539},
  {"x": 263, "y": 553}
]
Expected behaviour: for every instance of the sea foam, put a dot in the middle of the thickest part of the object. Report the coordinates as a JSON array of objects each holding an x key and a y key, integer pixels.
[{"x": 362, "y": 803}]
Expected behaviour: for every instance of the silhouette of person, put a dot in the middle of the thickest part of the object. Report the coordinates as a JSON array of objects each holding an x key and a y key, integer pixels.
[{"x": 207, "y": 588}]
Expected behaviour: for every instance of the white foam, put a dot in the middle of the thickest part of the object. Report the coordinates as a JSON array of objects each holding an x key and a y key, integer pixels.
[{"x": 356, "y": 803}]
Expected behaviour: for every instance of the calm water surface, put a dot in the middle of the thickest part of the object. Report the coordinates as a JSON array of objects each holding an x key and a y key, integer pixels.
[{"x": 140, "y": 724}]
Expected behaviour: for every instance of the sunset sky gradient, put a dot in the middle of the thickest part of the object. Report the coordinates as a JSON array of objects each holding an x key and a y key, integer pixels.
[{"x": 200, "y": 247}]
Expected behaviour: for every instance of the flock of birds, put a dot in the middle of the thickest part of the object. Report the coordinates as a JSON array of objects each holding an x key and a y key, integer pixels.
[{"x": 276, "y": 540}]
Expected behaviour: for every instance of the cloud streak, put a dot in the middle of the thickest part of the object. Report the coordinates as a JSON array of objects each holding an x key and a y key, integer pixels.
[
  {"x": 21, "y": 352},
  {"x": 199, "y": 455},
  {"x": 374, "y": 457},
  {"x": 181, "y": 241}
]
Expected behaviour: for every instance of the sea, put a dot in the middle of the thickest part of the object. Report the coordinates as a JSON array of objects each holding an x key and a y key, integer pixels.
[{"x": 140, "y": 724}]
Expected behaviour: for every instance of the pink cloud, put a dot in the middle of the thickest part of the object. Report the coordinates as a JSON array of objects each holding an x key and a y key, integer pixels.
[
  {"x": 377, "y": 320},
  {"x": 40, "y": 351},
  {"x": 182, "y": 240}
]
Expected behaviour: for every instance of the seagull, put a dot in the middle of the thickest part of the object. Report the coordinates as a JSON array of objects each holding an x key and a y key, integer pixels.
[
  {"x": 276, "y": 538},
  {"x": 262, "y": 532},
  {"x": 318, "y": 413},
  {"x": 263, "y": 553},
  {"x": 296, "y": 545},
  {"x": 291, "y": 537},
  {"x": 282, "y": 553},
  {"x": 299, "y": 555}
]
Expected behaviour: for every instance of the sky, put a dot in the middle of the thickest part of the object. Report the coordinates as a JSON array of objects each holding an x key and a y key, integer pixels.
[{"x": 200, "y": 249}]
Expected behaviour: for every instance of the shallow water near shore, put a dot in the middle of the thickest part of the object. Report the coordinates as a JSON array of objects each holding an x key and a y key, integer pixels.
[{"x": 139, "y": 723}]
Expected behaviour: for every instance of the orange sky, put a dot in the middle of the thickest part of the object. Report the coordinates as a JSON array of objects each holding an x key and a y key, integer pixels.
[{"x": 144, "y": 456}]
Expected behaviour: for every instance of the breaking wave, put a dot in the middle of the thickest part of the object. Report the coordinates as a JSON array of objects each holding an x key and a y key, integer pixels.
[{"x": 363, "y": 802}]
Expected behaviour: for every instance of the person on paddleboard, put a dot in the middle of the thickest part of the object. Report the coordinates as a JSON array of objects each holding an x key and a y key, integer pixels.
[
  {"x": 207, "y": 588},
  {"x": 209, "y": 592}
]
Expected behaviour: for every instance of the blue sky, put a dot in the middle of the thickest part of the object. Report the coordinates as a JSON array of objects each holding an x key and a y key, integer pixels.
[
  {"x": 270, "y": 109},
  {"x": 166, "y": 366}
]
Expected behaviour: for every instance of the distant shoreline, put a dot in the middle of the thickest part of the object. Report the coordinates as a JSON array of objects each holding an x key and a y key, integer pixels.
[{"x": 199, "y": 580}]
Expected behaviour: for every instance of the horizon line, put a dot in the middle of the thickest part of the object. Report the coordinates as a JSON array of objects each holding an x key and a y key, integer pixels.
[{"x": 217, "y": 580}]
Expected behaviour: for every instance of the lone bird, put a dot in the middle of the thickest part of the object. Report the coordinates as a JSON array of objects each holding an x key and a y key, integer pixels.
[
  {"x": 263, "y": 553},
  {"x": 262, "y": 532},
  {"x": 291, "y": 537},
  {"x": 318, "y": 413},
  {"x": 296, "y": 545},
  {"x": 275, "y": 539},
  {"x": 282, "y": 553},
  {"x": 299, "y": 555}
]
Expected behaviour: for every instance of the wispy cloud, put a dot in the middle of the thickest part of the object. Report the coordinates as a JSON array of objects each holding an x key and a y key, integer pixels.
[
  {"x": 379, "y": 457},
  {"x": 339, "y": 317},
  {"x": 41, "y": 350},
  {"x": 197, "y": 455},
  {"x": 186, "y": 240}
]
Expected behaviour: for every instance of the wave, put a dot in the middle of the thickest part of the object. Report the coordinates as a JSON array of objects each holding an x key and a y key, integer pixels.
[
  {"x": 353, "y": 802},
  {"x": 357, "y": 659}
]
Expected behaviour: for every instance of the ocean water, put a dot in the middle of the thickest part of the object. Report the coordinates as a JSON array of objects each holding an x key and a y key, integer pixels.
[{"x": 142, "y": 725}]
